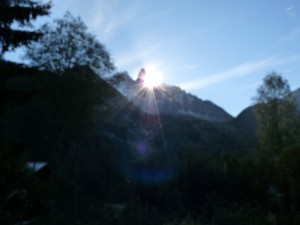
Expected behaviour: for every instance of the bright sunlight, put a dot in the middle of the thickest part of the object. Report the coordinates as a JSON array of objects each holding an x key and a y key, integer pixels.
[{"x": 153, "y": 76}]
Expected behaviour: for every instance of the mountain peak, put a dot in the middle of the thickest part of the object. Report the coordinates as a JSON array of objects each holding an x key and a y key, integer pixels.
[{"x": 167, "y": 99}]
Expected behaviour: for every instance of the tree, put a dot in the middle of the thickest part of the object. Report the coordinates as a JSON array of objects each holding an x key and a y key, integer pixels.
[
  {"x": 22, "y": 12},
  {"x": 67, "y": 43},
  {"x": 276, "y": 113}
]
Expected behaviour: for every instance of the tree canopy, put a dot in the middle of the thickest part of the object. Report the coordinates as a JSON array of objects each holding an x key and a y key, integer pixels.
[
  {"x": 276, "y": 113},
  {"x": 22, "y": 12},
  {"x": 66, "y": 43}
]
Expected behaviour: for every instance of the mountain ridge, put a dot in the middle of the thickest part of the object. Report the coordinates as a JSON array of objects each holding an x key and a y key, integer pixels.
[{"x": 167, "y": 99}]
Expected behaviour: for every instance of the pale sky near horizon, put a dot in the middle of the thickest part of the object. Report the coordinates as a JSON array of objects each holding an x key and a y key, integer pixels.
[{"x": 217, "y": 50}]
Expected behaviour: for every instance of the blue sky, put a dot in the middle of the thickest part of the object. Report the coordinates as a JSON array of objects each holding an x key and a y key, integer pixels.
[{"x": 216, "y": 50}]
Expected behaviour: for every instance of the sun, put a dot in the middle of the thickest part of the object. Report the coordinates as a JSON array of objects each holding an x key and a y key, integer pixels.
[{"x": 153, "y": 76}]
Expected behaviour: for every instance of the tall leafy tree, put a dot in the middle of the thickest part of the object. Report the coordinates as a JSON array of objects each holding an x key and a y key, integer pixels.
[
  {"x": 276, "y": 113},
  {"x": 21, "y": 12},
  {"x": 67, "y": 43}
]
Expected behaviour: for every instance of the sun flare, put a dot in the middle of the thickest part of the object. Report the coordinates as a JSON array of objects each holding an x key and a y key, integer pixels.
[{"x": 153, "y": 76}]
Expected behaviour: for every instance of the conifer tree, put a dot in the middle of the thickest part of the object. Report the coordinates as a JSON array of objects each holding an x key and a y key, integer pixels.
[{"x": 22, "y": 12}]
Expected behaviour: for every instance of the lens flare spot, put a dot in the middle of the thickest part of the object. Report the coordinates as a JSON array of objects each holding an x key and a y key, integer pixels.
[{"x": 141, "y": 148}]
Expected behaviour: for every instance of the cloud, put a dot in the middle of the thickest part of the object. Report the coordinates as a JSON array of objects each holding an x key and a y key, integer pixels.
[
  {"x": 241, "y": 70},
  {"x": 138, "y": 53},
  {"x": 103, "y": 17},
  {"x": 118, "y": 18},
  {"x": 291, "y": 11},
  {"x": 294, "y": 35}
]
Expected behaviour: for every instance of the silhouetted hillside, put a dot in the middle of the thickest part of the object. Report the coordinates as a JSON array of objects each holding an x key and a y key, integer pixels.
[{"x": 246, "y": 121}]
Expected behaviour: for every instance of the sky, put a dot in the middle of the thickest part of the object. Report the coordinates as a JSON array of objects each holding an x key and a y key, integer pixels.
[{"x": 216, "y": 50}]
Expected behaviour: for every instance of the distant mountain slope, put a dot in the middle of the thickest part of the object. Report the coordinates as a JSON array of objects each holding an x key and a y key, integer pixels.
[
  {"x": 246, "y": 120},
  {"x": 167, "y": 99}
]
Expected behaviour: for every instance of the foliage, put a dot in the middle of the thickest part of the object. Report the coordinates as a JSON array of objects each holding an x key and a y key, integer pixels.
[
  {"x": 53, "y": 118},
  {"x": 22, "y": 195},
  {"x": 276, "y": 113},
  {"x": 22, "y": 12},
  {"x": 288, "y": 167},
  {"x": 66, "y": 43}
]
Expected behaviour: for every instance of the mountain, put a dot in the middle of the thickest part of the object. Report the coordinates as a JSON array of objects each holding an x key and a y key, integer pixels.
[
  {"x": 167, "y": 99},
  {"x": 66, "y": 101},
  {"x": 246, "y": 120},
  {"x": 103, "y": 150},
  {"x": 134, "y": 120}
]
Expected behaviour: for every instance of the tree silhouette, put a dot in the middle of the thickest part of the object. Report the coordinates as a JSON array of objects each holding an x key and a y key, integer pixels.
[
  {"x": 22, "y": 12},
  {"x": 67, "y": 43},
  {"x": 276, "y": 113}
]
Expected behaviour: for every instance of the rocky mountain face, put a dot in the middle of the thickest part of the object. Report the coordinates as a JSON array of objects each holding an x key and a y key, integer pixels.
[
  {"x": 135, "y": 123},
  {"x": 167, "y": 99}
]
